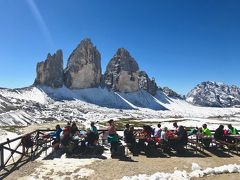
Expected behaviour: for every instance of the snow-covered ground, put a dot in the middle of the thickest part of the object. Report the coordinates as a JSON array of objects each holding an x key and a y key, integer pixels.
[
  {"x": 184, "y": 175},
  {"x": 39, "y": 104}
]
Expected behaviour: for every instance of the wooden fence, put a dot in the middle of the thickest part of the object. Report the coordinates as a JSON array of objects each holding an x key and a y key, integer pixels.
[{"x": 14, "y": 157}]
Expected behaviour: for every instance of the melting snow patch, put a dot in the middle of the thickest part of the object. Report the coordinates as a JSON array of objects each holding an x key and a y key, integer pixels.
[
  {"x": 62, "y": 168},
  {"x": 183, "y": 175}
]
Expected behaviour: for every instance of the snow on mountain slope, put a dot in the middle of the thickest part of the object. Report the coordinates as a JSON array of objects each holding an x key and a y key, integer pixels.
[
  {"x": 215, "y": 94},
  {"x": 39, "y": 104},
  {"x": 182, "y": 108},
  {"x": 29, "y": 94},
  {"x": 5, "y": 105}
]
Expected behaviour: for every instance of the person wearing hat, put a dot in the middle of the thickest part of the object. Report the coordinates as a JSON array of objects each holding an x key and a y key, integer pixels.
[{"x": 112, "y": 138}]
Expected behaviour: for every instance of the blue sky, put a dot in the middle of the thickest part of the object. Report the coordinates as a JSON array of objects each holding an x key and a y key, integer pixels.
[{"x": 180, "y": 43}]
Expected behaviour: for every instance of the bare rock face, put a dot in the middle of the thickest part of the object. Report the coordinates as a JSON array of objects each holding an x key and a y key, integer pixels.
[
  {"x": 170, "y": 93},
  {"x": 146, "y": 83},
  {"x": 84, "y": 67},
  {"x": 50, "y": 71},
  {"x": 122, "y": 72}
]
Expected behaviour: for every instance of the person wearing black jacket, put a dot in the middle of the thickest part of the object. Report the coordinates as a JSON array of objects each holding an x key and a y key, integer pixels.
[
  {"x": 219, "y": 133},
  {"x": 129, "y": 138}
]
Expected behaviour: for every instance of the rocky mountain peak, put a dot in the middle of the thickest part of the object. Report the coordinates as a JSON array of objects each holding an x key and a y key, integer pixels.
[
  {"x": 214, "y": 94},
  {"x": 84, "y": 66},
  {"x": 146, "y": 83},
  {"x": 122, "y": 72},
  {"x": 50, "y": 71},
  {"x": 170, "y": 93}
]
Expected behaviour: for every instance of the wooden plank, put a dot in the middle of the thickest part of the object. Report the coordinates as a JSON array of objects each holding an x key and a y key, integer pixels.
[
  {"x": 12, "y": 150},
  {"x": 2, "y": 156}
]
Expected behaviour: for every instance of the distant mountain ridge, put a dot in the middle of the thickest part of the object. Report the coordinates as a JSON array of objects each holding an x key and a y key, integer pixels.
[{"x": 214, "y": 94}]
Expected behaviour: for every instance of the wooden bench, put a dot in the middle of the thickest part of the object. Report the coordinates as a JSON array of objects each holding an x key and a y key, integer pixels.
[
  {"x": 197, "y": 144},
  {"x": 229, "y": 145}
]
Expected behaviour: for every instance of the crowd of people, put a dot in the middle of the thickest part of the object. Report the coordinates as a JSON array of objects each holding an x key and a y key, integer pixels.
[
  {"x": 177, "y": 138},
  {"x": 139, "y": 140},
  {"x": 71, "y": 133}
]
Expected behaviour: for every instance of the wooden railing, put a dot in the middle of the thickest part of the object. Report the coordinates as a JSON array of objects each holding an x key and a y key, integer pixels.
[{"x": 19, "y": 153}]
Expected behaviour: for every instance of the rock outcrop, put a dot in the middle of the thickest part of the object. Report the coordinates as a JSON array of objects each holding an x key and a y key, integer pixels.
[
  {"x": 84, "y": 67},
  {"x": 146, "y": 83},
  {"x": 214, "y": 94},
  {"x": 122, "y": 72},
  {"x": 170, "y": 93},
  {"x": 50, "y": 71}
]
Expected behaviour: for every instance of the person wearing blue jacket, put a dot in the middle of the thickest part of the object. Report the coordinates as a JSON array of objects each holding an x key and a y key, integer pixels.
[{"x": 56, "y": 137}]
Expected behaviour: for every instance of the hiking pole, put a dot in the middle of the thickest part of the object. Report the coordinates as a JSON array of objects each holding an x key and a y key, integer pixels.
[{"x": 10, "y": 148}]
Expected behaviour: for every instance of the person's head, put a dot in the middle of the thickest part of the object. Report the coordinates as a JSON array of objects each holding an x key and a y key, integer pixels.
[
  {"x": 131, "y": 128},
  {"x": 69, "y": 123},
  {"x": 74, "y": 124},
  {"x": 175, "y": 124},
  {"x": 230, "y": 126},
  {"x": 111, "y": 122},
  {"x": 92, "y": 124},
  {"x": 127, "y": 126},
  {"x": 204, "y": 126},
  {"x": 57, "y": 126},
  {"x": 180, "y": 128},
  {"x": 159, "y": 125},
  {"x": 165, "y": 129},
  {"x": 221, "y": 127}
]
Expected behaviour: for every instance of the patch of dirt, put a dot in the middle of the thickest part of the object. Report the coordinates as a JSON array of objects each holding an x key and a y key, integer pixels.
[
  {"x": 24, "y": 170},
  {"x": 116, "y": 169}
]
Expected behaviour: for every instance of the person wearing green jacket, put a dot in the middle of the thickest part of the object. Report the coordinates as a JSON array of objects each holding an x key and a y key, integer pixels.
[
  {"x": 207, "y": 136},
  {"x": 232, "y": 130},
  {"x": 206, "y": 131}
]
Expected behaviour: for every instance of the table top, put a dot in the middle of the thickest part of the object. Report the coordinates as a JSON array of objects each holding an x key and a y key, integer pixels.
[{"x": 235, "y": 136}]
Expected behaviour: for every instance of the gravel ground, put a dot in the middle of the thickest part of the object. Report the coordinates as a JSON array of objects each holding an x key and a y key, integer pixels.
[{"x": 115, "y": 169}]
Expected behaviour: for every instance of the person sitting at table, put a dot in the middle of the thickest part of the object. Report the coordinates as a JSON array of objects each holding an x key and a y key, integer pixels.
[
  {"x": 74, "y": 129},
  {"x": 219, "y": 133},
  {"x": 65, "y": 139},
  {"x": 182, "y": 137},
  {"x": 232, "y": 130},
  {"x": 193, "y": 131},
  {"x": 129, "y": 138},
  {"x": 56, "y": 137},
  {"x": 206, "y": 136},
  {"x": 90, "y": 138},
  {"x": 93, "y": 129},
  {"x": 157, "y": 131},
  {"x": 147, "y": 131},
  {"x": 164, "y": 139},
  {"x": 143, "y": 136},
  {"x": 175, "y": 126},
  {"x": 179, "y": 140}
]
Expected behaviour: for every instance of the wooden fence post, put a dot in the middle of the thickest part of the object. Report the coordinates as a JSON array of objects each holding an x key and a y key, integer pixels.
[{"x": 1, "y": 157}]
